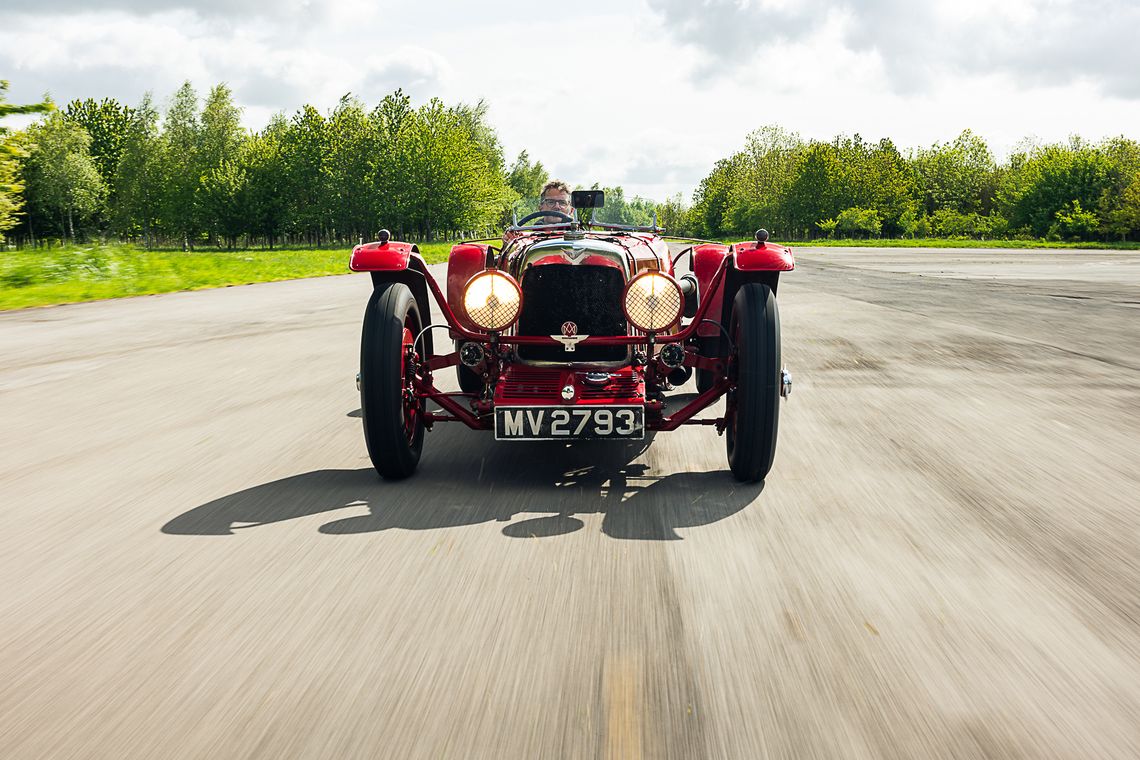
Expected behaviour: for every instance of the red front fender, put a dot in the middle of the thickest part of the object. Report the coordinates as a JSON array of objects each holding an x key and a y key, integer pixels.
[
  {"x": 748, "y": 257},
  {"x": 393, "y": 261},
  {"x": 392, "y": 256},
  {"x": 763, "y": 257}
]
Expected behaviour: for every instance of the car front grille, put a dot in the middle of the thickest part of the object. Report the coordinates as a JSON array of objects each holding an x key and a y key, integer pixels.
[
  {"x": 524, "y": 383},
  {"x": 588, "y": 296},
  {"x": 531, "y": 383}
]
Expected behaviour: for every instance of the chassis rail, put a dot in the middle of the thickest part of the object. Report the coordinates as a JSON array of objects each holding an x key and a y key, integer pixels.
[
  {"x": 655, "y": 420},
  {"x": 479, "y": 415}
]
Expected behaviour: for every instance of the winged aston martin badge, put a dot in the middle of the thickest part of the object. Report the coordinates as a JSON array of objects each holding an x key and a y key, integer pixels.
[{"x": 569, "y": 337}]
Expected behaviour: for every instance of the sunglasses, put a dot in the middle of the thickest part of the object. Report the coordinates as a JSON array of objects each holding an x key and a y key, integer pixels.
[{"x": 554, "y": 202}]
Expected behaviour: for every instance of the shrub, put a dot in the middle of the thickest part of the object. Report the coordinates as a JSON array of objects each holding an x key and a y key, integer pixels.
[
  {"x": 827, "y": 227},
  {"x": 1074, "y": 223},
  {"x": 864, "y": 221}
]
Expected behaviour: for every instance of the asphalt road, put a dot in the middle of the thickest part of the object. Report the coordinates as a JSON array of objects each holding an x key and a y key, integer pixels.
[{"x": 196, "y": 559}]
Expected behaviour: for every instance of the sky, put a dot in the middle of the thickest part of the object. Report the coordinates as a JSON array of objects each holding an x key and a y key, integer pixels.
[{"x": 646, "y": 94}]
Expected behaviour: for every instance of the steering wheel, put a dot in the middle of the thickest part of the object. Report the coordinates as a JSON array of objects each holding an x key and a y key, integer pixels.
[{"x": 537, "y": 214}]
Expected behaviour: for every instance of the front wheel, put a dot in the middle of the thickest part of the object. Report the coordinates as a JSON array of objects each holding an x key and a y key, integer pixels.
[
  {"x": 393, "y": 416},
  {"x": 754, "y": 404}
]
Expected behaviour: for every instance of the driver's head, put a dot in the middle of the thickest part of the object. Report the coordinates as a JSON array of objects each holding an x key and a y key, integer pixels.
[{"x": 555, "y": 197}]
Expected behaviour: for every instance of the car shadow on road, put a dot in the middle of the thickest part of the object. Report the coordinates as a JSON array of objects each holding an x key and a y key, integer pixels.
[{"x": 537, "y": 490}]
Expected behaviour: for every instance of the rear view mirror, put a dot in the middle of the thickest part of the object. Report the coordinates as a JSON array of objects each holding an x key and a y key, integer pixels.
[{"x": 588, "y": 198}]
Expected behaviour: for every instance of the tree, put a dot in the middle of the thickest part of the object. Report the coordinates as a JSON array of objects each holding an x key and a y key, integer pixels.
[
  {"x": 618, "y": 210},
  {"x": 106, "y": 121},
  {"x": 1048, "y": 180},
  {"x": 960, "y": 175},
  {"x": 391, "y": 197},
  {"x": 453, "y": 184},
  {"x": 816, "y": 192},
  {"x": 223, "y": 198},
  {"x": 181, "y": 139},
  {"x": 352, "y": 143},
  {"x": 303, "y": 149},
  {"x": 482, "y": 135},
  {"x": 141, "y": 176},
  {"x": 766, "y": 169},
  {"x": 711, "y": 199},
  {"x": 1113, "y": 210},
  {"x": 673, "y": 215},
  {"x": 266, "y": 202},
  {"x": 220, "y": 195},
  {"x": 220, "y": 134},
  {"x": 11, "y": 201},
  {"x": 63, "y": 182},
  {"x": 891, "y": 186},
  {"x": 1124, "y": 219},
  {"x": 526, "y": 178}
]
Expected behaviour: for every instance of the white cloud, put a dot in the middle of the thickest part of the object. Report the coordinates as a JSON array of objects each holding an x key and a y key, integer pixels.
[
  {"x": 223, "y": 8},
  {"x": 1035, "y": 42},
  {"x": 122, "y": 55}
]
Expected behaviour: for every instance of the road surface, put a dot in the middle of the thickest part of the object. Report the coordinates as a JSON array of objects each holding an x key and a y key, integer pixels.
[{"x": 197, "y": 559}]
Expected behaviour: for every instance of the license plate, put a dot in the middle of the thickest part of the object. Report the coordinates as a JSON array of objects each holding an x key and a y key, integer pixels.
[{"x": 553, "y": 423}]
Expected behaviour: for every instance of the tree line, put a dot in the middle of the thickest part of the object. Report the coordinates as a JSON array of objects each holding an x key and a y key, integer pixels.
[
  {"x": 195, "y": 176},
  {"x": 801, "y": 190}
]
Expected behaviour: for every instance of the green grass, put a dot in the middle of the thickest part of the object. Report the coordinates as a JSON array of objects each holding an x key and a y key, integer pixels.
[
  {"x": 955, "y": 243},
  {"x": 95, "y": 272}
]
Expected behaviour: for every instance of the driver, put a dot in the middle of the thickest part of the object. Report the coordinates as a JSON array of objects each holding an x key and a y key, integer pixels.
[{"x": 555, "y": 197}]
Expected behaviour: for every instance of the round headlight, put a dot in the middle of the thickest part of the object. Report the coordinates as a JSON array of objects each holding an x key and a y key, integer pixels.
[
  {"x": 492, "y": 300},
  {"x": 653, "y": 302}
]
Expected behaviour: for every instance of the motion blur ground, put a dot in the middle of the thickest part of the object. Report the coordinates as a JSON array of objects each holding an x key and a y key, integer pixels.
[{"x": 198, "y": 558}]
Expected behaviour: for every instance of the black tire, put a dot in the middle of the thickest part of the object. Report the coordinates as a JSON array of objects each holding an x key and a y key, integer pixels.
[
  {"x": 705, "y": 377},
  {"x": 705, "y": 380},
  {"x": 750, "y": 434},
  {"x": 393, "y": 430},
  {"x": 470, "y": 381}
]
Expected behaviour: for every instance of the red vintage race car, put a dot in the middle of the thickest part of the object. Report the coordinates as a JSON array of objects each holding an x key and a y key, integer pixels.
[{"x": 574, "y": 330}]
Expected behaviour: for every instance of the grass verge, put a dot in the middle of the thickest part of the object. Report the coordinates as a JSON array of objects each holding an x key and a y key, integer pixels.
[
  {"x": 95, "y": 272},
  {"x": 956, "y": 243},
  {"x": 89, "y": 273}
]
